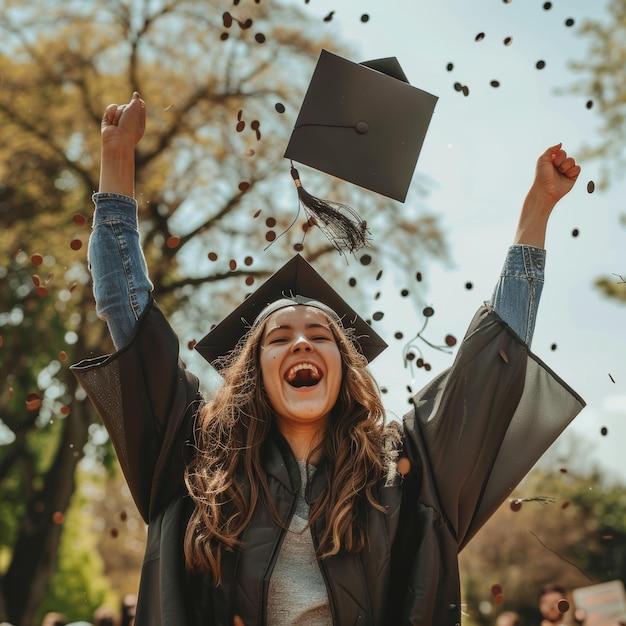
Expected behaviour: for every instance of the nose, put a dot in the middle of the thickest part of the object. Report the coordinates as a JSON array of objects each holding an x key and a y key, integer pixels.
[{"x": 301, "y": 343}]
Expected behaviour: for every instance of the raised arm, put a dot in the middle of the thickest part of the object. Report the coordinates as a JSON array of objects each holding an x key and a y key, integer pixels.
[
  {"x": 122, "y": 128},
  {"x": 118, "y": 268},
  {"x": 516, "y": 295},
  {"x": 555, "y": 176}
]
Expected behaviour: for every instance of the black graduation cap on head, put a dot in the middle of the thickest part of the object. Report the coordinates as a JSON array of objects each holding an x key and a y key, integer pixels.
[
  {"x": 362, "y": 122},
  {"x": 297, "y": 282}
]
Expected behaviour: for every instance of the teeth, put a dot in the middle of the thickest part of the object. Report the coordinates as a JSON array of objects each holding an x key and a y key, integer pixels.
[{"x": 291, "y": 374}]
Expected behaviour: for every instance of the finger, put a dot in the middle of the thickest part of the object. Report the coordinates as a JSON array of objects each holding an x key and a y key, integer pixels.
[
  {"x": 237, "y": 621},
  {"x": 558, "y": 158},
  {"x": 109, "y": 114},
  {"x": 552, "y": 150},
  {"x": 118, "y": 113}
]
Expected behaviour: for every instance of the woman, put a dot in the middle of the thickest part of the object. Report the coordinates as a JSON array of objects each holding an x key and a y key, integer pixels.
[{"x": 295, "y": 503}]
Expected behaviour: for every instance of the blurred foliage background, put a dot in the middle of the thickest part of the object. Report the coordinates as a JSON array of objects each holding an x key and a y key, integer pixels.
[{"x": 212, "y": 196}]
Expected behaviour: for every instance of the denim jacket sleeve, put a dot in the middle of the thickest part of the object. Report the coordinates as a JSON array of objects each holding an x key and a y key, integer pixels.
[
  {"x": 118, "y": 267},
  {"x": 516, "y": 295}
]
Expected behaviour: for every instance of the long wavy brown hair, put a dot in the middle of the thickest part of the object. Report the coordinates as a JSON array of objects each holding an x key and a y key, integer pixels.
[{"x": 226, "y": 479}]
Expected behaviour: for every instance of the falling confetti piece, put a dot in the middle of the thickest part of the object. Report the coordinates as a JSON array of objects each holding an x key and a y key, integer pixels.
[
  {"x": 547, "y": 6},
  {"x": 540, "y": 65},
  {"x": 212, "y": 256},
  {"x": 298, "y": 247},
  {"x": 79, "y": 220},
  {"x": 259, "y": 38},
  {"x": 495, "y": 83},
  {"x": 248, "y": 261},
  {"x": 465, "y": 90},
  {"x": 257, "y": 213},
  {"x": 329, "y": 17},
  {"x": 589, "y": 104},
  {"x": 604, "y": 431},
  {"x": 36, "y": 259},
  {"x": 612, "y": 379},
  {"x": 224, "y": 36},
  {"x": 366, "y": 259},
  {"x": 569, "y": 22},
  {"x": 249, "y": 281},
  {"x": 352, "y": 282},
  {"x": 36, "y": 280},
  {"x": 379, "y": 275},
  {"x": 418, "y": 277},
  {"x": 378, "y": 316},
  {"x": 41, "y": 291},
  {"x": 450, "y": 67},
  {"x": 591, "y": 186},
  {"x": 479, "y": 37},
  {"x": 62, "y": 355},
  {"x": 65, "y": 410},
  {"x": 398, "y": 334},
  {"x": 227, "y": 19},
  {"x": 115, "y": 533},
  {"x": 280, "y": 107},
  {"x": 58, "y": 517},
  {"x": 365, "y": 18},
  {"x": 172, "y": 242},
  {"x": 270, "y": 235},
  {"x": 496, "y": 589},
  {"x": 403, "y": 466},
  {"x": 270, "y": 222},
  {"x": 428, "y": 311},
  {"x": 33, "y": 402},
  {"x": 469, "y": 286},
  {"x": 575, "y": 232},
  {"x": 233, "y": 265},
  {"x": 516, "y": 506},
  {"x": 450, "y": 340},
  {"x": 240, "y": 126},
  {"x": 553, "y": 347},
  {"x": 404, "y": 293},
  {"x": 563, "y": 606},
  {"x": 244, "y": 186},
  {"x": 191, "y": 344},
  {"x": 508, "y": 41}
]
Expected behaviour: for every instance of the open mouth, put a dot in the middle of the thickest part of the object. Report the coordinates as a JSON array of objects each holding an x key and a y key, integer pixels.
[{"x": 303, "y": 375}]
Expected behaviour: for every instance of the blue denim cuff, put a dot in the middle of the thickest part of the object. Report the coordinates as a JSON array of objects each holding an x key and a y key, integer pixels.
[
  {"x": 517, "y": 293},
  {"x": 114, "y": 207}
]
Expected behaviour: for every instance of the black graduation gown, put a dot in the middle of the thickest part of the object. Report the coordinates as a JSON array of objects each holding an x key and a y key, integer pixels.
[{"x": 472, "y": 435}]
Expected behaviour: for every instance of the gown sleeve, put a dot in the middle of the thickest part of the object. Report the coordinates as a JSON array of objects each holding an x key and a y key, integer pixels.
[
  {"x": 147, "y": 401},
  {"x": 481, "y": 425}
]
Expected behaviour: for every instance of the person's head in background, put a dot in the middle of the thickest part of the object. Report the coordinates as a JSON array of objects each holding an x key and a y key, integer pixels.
[
  {"x": 129, "y": 604},
  {"x": 104, "y": 616},
  {"x": 508, "y": 618},
  {"x": 54, "y": 619},
  {"x": 553, "y": 603}
]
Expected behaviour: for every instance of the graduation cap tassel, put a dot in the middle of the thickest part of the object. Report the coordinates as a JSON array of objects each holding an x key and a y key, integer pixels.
[{"x": 340, "y": 223}]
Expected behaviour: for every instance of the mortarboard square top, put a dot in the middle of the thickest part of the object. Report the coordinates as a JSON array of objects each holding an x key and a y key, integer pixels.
[
  {"x": 363, "y": 123},
  {"x": 295, "y": 278}
]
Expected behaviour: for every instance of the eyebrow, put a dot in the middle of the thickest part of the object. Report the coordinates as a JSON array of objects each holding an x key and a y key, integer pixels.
[{"x": 290, "y": 327}]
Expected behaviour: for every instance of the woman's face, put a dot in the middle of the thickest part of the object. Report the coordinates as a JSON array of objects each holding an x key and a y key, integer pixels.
[{"x": 301, "y": 365}]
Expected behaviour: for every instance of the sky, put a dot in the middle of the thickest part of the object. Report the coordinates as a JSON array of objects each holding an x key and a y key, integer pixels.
[{"x": 480, "y": 154}]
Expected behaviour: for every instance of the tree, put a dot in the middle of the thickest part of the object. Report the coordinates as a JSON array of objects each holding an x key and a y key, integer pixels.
[
  {"x": 602, "y": 80},
  {"x": 560, "y": 526},
  {"x": 213, "y": 191}
]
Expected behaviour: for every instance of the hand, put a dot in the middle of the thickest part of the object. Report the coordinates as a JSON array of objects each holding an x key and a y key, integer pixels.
[
  {"x": 123, "y": 125},
  {"x": 555, "y": 174},
  {"x": 237, "y": 621}
]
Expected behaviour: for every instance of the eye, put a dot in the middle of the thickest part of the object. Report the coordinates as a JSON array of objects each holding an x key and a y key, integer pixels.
[{"x": 275, "y": 339}]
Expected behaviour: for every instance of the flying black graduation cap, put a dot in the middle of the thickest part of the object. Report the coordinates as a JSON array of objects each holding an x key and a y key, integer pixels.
[
  {"x": 296, "y": 281},
  {"x": 364, "y": 123}
]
